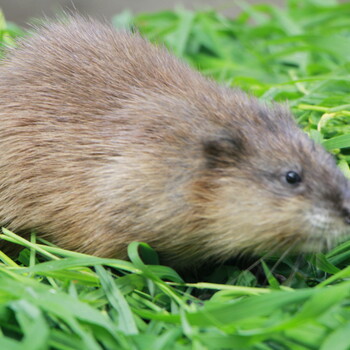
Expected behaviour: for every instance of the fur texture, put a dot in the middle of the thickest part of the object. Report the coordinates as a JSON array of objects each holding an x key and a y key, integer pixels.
[{"x": 106, "y": 139}]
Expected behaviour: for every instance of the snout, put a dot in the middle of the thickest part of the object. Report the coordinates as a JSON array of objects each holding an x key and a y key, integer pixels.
[
  {"x": 345, "y": 210},
  {"x": 346, "y": 215}
]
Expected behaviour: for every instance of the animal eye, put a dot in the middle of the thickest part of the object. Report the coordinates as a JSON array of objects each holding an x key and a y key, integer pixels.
[{"x": 293, "y": 178}]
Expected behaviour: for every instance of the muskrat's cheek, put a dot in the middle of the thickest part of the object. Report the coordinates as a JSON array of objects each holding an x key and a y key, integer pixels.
[{"x": 327, "y": 223}]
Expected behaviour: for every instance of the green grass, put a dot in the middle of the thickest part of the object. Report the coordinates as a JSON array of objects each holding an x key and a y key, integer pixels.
[{"x": 56, "y": 299}]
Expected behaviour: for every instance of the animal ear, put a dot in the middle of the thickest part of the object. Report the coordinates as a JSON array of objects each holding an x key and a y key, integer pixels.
[{"x": 224, "y": 151}]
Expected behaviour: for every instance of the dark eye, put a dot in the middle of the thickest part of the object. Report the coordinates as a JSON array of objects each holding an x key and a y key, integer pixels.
[{"x": 293, "y": 178}]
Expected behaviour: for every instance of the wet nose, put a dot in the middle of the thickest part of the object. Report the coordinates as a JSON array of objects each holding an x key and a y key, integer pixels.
[
  {"x": 346, "y": 214},
  {"x": 345, "y": 204}
]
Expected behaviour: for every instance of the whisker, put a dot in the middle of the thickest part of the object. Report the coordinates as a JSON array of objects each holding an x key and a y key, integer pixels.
[
  {"x": 295, "y": 268},
  {"x": 267, "y": 255},
  {"x": 285, "y": 253}
]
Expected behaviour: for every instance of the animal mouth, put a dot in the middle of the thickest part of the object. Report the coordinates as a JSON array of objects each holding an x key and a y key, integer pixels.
[{"x": 323, "y": 230}]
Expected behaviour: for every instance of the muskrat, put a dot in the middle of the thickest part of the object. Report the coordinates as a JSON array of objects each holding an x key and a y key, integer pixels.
[{"x": 106, "y": 139}]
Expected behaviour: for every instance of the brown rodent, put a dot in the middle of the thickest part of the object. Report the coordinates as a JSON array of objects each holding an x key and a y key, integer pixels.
[{"x": 106, "y": 139}]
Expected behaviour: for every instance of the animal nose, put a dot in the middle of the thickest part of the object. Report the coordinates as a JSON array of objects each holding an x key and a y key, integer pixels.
[
  {"x": 345, "y": 205},
  {"x": 346, "y": 214}
]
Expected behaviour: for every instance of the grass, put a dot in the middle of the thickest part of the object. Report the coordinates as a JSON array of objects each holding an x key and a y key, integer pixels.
[{"x": 56, "y": 299}]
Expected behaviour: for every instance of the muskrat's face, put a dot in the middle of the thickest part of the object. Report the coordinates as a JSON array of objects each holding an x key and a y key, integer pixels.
[{"x": 273, "y": 190}]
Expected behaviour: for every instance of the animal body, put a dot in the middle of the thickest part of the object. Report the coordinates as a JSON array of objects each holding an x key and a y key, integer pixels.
[{"x": 106, "y": 139}]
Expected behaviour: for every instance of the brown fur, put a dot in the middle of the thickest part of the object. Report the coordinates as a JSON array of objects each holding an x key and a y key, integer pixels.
[{"x": 106, "y": 139}]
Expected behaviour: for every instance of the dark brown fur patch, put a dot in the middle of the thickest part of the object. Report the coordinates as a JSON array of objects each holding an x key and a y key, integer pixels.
[{"x": 225, "y": 150}]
